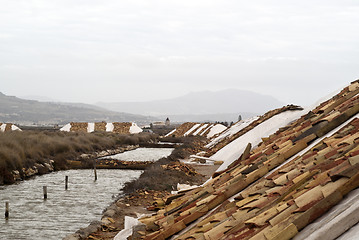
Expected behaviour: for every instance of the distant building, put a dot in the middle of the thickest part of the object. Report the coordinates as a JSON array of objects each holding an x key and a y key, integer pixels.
[
  {"x": 162, "y": 124},
  {"x": 162, "y": 128},
  {"x": 158, "y": 124}
]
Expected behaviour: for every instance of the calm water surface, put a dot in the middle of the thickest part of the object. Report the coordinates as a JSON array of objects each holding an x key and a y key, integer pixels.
[
  {"x": 65, "y": 211},
  {"x": 143, "y": 154}
]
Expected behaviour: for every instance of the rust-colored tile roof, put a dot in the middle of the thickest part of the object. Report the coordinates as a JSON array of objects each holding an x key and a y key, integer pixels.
[{"x": 274, "y": 192}]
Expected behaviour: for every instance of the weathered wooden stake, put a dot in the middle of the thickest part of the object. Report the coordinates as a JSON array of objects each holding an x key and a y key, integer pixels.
[
  {"x": 6, "y": 210},
  {"x": 94, "y": 169},
  {"x": 66, "y": 182},
  {"x": 45, "y": 192}
]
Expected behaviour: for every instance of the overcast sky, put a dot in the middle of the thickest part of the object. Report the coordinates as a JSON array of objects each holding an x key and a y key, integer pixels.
[{"x": 137, "y": 50}]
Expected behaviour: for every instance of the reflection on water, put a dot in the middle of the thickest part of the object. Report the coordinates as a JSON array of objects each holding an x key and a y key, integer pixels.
[
  {"x": 143, "y": 154},
  {"x": 65, "y": 211}
]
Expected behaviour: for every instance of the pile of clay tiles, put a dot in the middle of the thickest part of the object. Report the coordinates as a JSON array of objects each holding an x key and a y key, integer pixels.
[
  {"x": 276, "y": 189},
  {"x": 115, "y": 127},
  {"x": 5, "y": 127},
  {"x": 178, "y": 166},
  {"x": 197, "y": 129}
]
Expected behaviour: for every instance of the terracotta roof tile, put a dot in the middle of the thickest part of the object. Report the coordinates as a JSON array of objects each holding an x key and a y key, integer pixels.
[{"x": 288, "y": 199}]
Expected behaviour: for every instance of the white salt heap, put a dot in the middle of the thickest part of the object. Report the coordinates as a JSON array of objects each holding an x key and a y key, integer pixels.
[{"x": 135, "y": 129}]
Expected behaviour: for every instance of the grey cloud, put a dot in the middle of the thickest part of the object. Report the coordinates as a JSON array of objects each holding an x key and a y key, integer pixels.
[{"x": 264, "y": 46}]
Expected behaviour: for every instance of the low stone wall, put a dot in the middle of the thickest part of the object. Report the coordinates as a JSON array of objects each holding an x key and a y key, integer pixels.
[{"x": 25, "y": 173}]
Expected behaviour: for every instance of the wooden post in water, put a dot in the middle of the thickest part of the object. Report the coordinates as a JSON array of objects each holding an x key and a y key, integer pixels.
[
  {"x": 94, "y": 169},
  {"x": 45, "y": 192},
  {"x": 6, "y": 210},
  {"x": 66, "y": 182}
]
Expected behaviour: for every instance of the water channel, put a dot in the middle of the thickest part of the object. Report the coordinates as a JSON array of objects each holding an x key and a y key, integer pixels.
[
  {"x": 65, "y": 211},
  {"x": 143, "y": 154}
]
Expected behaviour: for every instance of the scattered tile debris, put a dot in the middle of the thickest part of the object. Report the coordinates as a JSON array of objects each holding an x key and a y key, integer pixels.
[{"x": 178, "y": 166}]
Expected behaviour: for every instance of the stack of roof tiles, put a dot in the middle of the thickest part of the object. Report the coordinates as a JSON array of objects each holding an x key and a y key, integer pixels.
[
  {"x": 100, "y": 127},
  {"x": 5, "y": 127},
  {"x": 116, "y": 127},
  {"x": 121, "y": 127},
  {"x": 197, "y": 129},
  {"x": 276, "y": 189},
  {"x": 79, "y": 126}
]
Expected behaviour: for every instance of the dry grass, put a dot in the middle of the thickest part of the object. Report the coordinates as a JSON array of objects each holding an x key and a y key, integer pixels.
[{"x": 24, "y": 149}]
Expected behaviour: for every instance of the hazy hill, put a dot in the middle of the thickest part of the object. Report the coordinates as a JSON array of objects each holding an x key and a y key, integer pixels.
[
  {"x": 220, "y": 117},
  {"x": 27, "y": 112},
  {"x": 201, "y": 106}
]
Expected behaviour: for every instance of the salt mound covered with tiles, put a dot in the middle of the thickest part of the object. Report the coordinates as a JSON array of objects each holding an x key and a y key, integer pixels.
[
  {"x": 115, "y": 127},
  {"x": 229, "y": 145},
  {"x": 5, "y": 127},
  {"x": 197, "y": 129},
  {"x": 276, "y": 189}
]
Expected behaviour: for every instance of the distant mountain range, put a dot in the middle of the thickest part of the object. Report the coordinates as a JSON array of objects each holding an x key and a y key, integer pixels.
[
  {"x": 223, "y": 105},
  {"x": 204, "y": 106},
  {"x": 30, "y": 112}
]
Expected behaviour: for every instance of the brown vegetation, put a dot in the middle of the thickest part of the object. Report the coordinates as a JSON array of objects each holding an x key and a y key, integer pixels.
[{"x": 20, "y": 150}]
